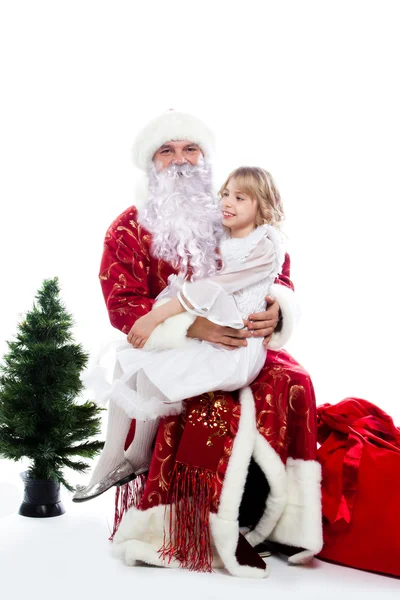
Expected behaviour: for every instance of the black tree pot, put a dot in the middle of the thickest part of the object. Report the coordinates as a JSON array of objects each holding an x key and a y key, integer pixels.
[{"x": 41, "y": 498}]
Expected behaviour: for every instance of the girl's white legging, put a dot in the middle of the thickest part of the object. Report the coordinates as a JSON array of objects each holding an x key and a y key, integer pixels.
[{"x": 138, "y": 453}]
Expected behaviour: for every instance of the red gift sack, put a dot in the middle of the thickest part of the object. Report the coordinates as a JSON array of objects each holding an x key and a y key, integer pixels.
[{"x": 360, "y": 458}]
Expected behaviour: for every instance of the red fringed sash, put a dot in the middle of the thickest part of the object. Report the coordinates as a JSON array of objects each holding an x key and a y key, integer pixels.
[
  {"x": 126, "y": 496},
  {"x": 188, "y": 535},
  {"x": 187, "y": 538}
]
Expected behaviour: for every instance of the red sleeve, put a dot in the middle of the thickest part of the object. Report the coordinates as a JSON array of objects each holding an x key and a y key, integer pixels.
[
  {"x": 124, "y": 271},
  {"x": 284, "y": 277}
]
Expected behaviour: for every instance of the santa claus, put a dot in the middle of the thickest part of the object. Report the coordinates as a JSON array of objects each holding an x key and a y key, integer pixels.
[{"x": 231, "y": 460}]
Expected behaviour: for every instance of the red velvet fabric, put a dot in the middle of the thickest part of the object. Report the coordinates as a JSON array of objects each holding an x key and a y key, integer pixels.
[
  {"x": 131, "y": 279},
  {"x": 360, "y": 458},
  {"x": 285, "y": 416},
  {"x": 283, "y": 392}
]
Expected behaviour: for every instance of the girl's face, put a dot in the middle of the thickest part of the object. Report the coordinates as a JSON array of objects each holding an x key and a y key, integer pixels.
[{"x": 239, "y": 211}]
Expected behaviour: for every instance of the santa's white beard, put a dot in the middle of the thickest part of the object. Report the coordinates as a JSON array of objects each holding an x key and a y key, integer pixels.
[{"x": 184, "y": 217}]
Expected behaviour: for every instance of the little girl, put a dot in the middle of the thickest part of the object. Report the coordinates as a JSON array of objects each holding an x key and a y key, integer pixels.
[{"x": 154, "y": 383}]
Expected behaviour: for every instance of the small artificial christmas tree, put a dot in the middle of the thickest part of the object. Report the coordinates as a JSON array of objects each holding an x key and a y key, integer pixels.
[{"x": 39, "y": 384}]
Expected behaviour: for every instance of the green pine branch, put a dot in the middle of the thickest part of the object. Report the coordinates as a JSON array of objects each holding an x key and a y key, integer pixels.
[{"x": 39, "y": 386}]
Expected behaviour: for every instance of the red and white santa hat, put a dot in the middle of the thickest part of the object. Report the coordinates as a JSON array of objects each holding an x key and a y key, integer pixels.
[{"x": 171, "y": 126}]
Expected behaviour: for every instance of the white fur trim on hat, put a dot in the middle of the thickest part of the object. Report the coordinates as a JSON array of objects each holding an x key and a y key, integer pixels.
[{"x": 169, "y": 126}]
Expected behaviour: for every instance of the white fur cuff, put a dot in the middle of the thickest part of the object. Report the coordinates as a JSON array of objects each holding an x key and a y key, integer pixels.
[
  {"x": 290, "y": 309},
  {"x": 225, "y": 535},
  {"x": 171, "y": 333},
  {"x": 301, "y": 522}
]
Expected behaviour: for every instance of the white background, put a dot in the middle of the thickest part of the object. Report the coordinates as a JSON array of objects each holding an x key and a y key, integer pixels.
[{"x": 308, "y": 90}]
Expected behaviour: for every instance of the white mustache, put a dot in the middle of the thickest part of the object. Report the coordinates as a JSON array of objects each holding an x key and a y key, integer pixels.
[{"x": 184, "y": 218}]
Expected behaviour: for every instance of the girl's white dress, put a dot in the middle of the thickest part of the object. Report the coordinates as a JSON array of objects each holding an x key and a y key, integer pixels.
[{"x": 152, "y": 383}]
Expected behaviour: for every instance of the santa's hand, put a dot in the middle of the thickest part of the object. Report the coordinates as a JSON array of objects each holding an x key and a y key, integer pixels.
[
  {"x": 226, "y": 337},
  {"x": 141, "y": 330},
  {"x": 263, "y": 324}
]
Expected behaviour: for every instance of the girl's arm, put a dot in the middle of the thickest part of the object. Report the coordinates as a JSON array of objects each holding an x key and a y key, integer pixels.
[
  {"x": 169, "y": 309},
  {"x": 211, "y": 297},
  {"x": 142, "y": 329}
]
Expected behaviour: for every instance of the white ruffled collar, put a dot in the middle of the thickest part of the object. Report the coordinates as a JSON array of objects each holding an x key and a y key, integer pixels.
[{"x": 239, "y": 248}]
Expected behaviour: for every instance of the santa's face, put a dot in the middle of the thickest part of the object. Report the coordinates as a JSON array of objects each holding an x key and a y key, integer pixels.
[{"x": 178, "y": 153}]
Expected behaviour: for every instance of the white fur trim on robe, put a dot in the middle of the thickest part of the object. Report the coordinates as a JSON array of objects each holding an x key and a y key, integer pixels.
[
  {"x": 141, "y": 535},
  {"x": 301, "y": 522},
  {"x": 224, "y": 524},
  {"x": 290, "y": 309},
  {"x": 292, "y": 512},
  {"x": 274, "y": 470}
]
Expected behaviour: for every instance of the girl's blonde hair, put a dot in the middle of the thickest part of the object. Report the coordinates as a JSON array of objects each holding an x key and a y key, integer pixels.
[{"x": 259, "y": 185}]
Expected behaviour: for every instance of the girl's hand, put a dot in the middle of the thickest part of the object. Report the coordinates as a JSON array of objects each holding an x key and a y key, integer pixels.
[
  {"x": 141, "y": 330},
  {"x": 263, "y": 324}
]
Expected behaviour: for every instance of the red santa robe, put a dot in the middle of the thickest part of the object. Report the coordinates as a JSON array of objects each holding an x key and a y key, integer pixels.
[{"x": 248, "y": 456}]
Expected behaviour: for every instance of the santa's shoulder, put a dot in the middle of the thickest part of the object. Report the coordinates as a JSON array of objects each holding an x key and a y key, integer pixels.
[
  {"x": 126, "y": 225},
  {"x": 127, "y": 215}
]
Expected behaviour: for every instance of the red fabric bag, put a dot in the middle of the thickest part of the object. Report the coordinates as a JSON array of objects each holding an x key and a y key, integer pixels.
[{"x": 360, "y": 458}]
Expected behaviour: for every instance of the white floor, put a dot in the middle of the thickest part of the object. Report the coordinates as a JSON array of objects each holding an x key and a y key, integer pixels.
[{"x": 68, "y": 557}]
